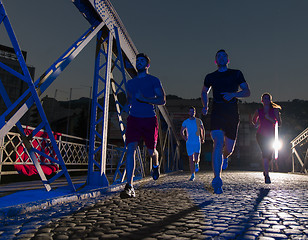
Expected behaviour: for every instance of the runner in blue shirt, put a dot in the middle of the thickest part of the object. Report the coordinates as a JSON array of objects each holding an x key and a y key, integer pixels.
[{"x": 144, "y": 93}]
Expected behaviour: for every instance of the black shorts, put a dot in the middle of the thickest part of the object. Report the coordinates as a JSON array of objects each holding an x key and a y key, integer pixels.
[
  {"x": 225, "y": 117},
  {"x": 266, "y": 145}
]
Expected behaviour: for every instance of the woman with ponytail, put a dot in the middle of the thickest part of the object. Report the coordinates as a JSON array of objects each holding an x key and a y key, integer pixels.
[{"x": 265, "y": 118}]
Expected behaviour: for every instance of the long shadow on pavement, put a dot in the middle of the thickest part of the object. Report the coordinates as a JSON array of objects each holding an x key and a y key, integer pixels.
[
  {"x": 263, "y": 192},
  {"x": 148, "y": 231}
]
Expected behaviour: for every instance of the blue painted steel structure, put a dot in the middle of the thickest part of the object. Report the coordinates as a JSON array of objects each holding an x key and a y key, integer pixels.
[
  {"x": 32, "y": 97},
  {"x": 114, "y": 50},
  {"x": 99, "y": 112}
]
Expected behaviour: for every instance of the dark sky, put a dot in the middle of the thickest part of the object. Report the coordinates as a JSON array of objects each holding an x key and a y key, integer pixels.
[{"x": 266, "y": 40}]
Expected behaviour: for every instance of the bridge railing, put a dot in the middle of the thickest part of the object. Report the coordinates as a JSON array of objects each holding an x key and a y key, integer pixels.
[
  {"x": 74, "y": 151},
  {"x": 297, "y": 145}
]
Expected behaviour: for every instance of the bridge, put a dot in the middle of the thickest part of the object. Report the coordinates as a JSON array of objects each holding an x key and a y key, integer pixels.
[
  {"x": 114, "y": 66},
  {"x": 171, "y": 208}
]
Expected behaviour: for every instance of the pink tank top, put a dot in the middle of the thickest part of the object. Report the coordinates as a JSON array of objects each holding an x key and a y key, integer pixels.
[{"x": 266, "y": 127}]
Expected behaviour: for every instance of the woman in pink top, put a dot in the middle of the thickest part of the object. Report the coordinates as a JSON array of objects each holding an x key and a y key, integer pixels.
[{"x": 265, "y": 118}]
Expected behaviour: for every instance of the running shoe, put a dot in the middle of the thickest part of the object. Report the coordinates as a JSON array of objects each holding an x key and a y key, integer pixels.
[
  {"x": 128, "y": 192},
  {"x": 196, "y": 167},
  {"x": 192, "y": 178},
  {"x": 225, "y": 164},
  {"x": 217, "y": 185},
  {"x": 267, "y": 179},
  {"x": 155, "y": 172}
]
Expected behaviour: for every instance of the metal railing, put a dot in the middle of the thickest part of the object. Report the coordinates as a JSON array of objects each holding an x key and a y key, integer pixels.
[
  {"x": 298, "y": 142},
  {"x": 74, "y": 151}
]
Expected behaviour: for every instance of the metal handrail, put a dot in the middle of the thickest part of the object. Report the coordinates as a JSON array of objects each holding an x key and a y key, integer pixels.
[
  {"x": 73, "y": 149},
  {"x": 302, "y": 136},
  {"x": 295, "y": 142}
]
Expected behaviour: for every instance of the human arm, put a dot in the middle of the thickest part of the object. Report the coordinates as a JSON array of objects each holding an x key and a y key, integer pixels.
[
  {"x": 277, "y": 117},
  {"x": 128, "y": 103},
  {"x": 244, "y": 92},
  {"x": 204, "y": 99},
  {"x": 202, "y": 133},
  {"x": 159, "y": 99},
  {"x": 255, "y": 118},
  {"x": 183, "y": 133}
]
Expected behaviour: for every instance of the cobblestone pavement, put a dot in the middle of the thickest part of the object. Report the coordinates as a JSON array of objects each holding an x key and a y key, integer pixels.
[{"x": 175, "y": 208}]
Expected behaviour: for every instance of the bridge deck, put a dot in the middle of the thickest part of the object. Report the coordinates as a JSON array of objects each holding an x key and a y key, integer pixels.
[{"x": 170, "y": 207}]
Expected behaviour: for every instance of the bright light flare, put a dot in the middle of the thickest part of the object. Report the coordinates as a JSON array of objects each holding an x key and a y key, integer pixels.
[{"x": 277, "y": 143}]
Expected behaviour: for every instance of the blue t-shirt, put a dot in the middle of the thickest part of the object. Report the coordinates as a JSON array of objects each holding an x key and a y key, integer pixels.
[{"x": 146, "y": 86}]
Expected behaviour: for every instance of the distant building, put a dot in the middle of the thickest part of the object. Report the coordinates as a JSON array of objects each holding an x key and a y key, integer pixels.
[{"x": 14, "y": 86}]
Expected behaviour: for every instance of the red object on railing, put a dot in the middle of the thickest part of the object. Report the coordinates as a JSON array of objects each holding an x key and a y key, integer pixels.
[{"x": 41, "y": 144}]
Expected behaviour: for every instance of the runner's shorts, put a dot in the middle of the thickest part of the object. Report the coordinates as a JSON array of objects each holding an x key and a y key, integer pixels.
[
  {"x": 225, "y": 117},
  {"x": 142, "y": 128},
  {"x": 193, "y": 147},
  {"x": 266, "y": 145}
]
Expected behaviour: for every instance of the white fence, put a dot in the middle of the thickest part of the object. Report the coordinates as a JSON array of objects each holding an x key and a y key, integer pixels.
[
  {"x": 74, "y": 151},
  {"x": 300, "y": 141}
]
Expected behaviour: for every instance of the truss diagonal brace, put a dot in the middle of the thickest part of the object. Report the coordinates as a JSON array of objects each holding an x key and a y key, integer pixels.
[{"x": 17, "y": 110}]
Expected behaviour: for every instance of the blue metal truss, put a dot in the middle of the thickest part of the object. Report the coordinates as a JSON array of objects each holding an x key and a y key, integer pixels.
[
  {"x": 33, "y": 153},
  {"x": 116, "y": 89},
  {"x": 105, "y": 63},
  {"x": 99, "y": 112},
  {"x": 15, "y": 111},
  {"x": 107, "y": 26},
  {"x": 124, "y": 52}
]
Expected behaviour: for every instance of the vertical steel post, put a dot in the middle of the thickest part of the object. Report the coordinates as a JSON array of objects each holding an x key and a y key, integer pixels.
[
  {"x": 106, "y": 105},
  {"x": 99, "y": 177},
  {"x": 293, "y": 160},
  {"x": 1, "y": 155}
]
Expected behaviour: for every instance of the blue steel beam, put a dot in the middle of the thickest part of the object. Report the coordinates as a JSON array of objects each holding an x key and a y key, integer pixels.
[
  {"x": 17, "y": 110},
  {"x": 125, "y": 51},
  {"x": 97, "y": 155},
  {"x": 102, "y": 10},
  {"x": 35, "y": 98}
]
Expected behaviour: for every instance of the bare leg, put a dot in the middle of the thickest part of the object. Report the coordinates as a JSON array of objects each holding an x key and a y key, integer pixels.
[
  {"x": 191, "y": 164},
  {"x": 130, "y": 162},
  {"x": 266, "y": 166},
  {"x": 266, "y": 163},
  {"x": 276, "y": 165},
  {"x": 218, "y": 139},
  {"x": 155, "y": 171},
  {"x": 271, "y": 168},
  {"x": 228, "y": 147},
  {"x": 154, "y": 156},
  {"x": 196, "y": 157}
]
